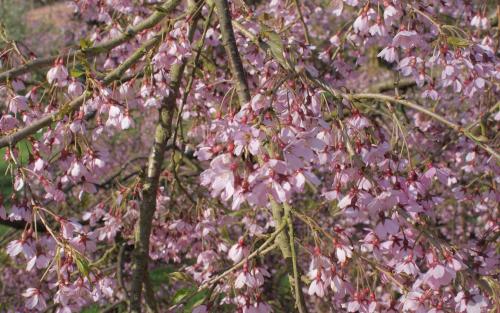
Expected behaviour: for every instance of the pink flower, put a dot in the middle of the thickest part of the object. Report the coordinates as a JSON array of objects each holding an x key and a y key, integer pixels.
[
  {"x": 406, "y": 39},
  {"x": 342, "y": 252},
  {"x": 430, "y": 93},
  {"x": 39, "y": 164},
  {"x": 17, "y": 246},
  {"x": 337, "y": 7},
  {"x": 18, "y": 104},
  {"x": 238, "y": 251},
  {"x": 220, "y": 176},
  {"x": 259, "y": 274},
  {"x": 361, "y": 24},
  {"x": 58, "y": 74},
  {"x": 480, "y": 21},
  {"x": 317, "y": 287},
  {"x": 262, "y": 307},
  {"x": 470, "y": 302},
  {"x": 244, "y": 278},
  {"x": 34, "y": 299},
  {"x": 346, "y": 201},
  {"x": 68, "y": 227},
  {"x": 391, "y": 14},
  {"x": 387, "y": 227},
  {"x": 378, "y": 29},
  {"x": 40, "y": 260},
  {"x": 104, "y": 287},
  {"x": 408, "y": 266},
  {"x": 389, "y": 54},
  {"x": 126, "y": 121},
  {"x": 8, "y": 122},
  {"x": 75, "y": 88},
  {"x": 438, "y": 275},
  {"x": 84, "y": 242}
]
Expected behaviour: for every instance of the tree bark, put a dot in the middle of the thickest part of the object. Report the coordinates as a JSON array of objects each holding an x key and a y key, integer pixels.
[
  {"x": 147, "y": 208},
  {"x": 280, "y": 216},
  {"x": 232, "y": 53}
]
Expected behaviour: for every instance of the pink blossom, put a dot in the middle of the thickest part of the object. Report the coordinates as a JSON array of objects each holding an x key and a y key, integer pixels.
[
  {"x": 75, "y": 88},
  {"x": 17, "y": 104},
  {"x": 389, "y": 54},
  {"x": 238, "y": 251},
  {"x": 58, "y": 74},
  {"x": 317, "y": 288},
  {"x": 34, "y": 299},
  {"x": 406, "y": 39}
]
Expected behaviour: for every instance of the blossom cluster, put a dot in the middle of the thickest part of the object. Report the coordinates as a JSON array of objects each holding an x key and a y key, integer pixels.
[{"x": 370, "y": 132}]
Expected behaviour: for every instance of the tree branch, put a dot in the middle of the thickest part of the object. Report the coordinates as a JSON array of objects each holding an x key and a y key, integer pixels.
[
  {"x": 229, "y": 43},
  {"x": 459, "y": 129},
  {"x": 73, "y": 105},
  {"x": 304, "y": 25},
  {"x": 150, "y": 187},
  {"x": 282, "y": 239}
]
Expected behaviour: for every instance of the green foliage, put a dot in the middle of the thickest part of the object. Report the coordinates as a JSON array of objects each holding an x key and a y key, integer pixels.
[
  {"x": 160, "y": 276},
  {"x": 91, "y": 309},
  {"x": 191, "y": 297},
  {"x": 5, "y": 177}
]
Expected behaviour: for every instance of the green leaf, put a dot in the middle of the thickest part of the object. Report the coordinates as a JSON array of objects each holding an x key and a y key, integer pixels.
[
  {"x": 284, "y": 285},
  {"x": 275, "y": 44},
  {"x": 196, "y": 300},
  {"x": 91, "y": 309},
  {"x": 83, "y": 266},
  {"x": 160, "y": 276},
  {"x": 458, "y": 42},
  {"x": 182, "y": 294},
  {"x": 78, "y": 71},
  {"x": 179, "y": 276},
  {"x": 85, "y": 43}
]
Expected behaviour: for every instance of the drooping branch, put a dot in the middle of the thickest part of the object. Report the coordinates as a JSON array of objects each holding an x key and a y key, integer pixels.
[
  {"x": 457, "y": 128},
  {"x": 259, "y": 251},
  {"x": 73, "y": 105},
  {"x": 147, "y": 208},
  {"x": 302, "y": 21},
  {"x": 375, "y": 96},
  {"x": 232, "y": 53},
  {"x": 266, "y": 247},
  {"x": 128, "y": 34},
  {"x": 279, "y": 215}
]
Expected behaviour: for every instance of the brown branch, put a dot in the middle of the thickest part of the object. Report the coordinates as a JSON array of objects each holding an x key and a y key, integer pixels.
[
  {"x": 151, "y": 182},
  {"x": 390, "y": 85},
  {"x": 21, "y": 225},
  {"x": 229, "y": 43},
  {"x": 73, "y": 105},
  {"x": 304, "y": 25},
  {"x": 457, "y": 128},
  {"x": 279, "y": 216},
  {"x": 266, "y": 247},
  {"x": 128, "y": 34}
]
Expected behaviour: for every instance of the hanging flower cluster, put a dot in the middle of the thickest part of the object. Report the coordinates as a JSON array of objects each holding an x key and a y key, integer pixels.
[{"x": 351, "y": 163}]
